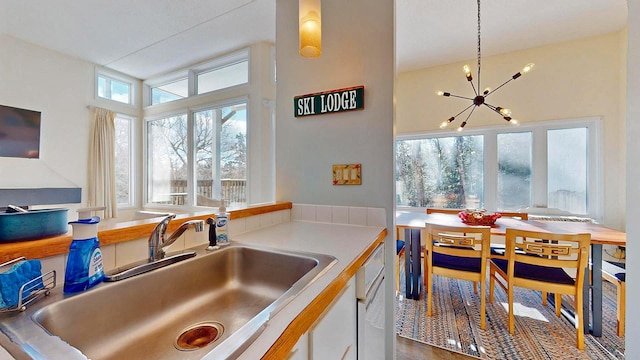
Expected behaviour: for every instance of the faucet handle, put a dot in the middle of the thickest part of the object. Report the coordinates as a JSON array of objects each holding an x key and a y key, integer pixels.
[{"x": 161, "y": 227}]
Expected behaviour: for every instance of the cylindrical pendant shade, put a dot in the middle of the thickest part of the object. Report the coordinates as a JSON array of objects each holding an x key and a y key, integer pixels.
[{"x": 310, "y": 28}]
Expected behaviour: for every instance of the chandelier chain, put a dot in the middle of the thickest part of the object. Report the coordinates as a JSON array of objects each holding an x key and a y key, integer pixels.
[{"x": 479, "y": 54}]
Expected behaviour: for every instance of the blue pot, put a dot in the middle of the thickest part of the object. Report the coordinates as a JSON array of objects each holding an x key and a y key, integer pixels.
[{"x": 35, "y": 224}]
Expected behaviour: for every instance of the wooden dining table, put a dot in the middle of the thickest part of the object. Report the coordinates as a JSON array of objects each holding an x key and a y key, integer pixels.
[{"x": 410, "y": 224}]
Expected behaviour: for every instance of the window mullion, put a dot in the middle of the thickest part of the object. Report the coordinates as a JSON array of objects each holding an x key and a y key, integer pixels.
[
  {"x": 191, "y": 83},
  {"x": 539, "y": 188},
  {"x": 490, "y": 170},
  {"x": 191, "y": 168}
]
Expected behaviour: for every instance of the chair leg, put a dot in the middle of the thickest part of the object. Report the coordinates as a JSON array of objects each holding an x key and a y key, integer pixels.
[
  {"x": 511, "y": 316},
  {"x": 492, "y": 283},
  {"x": 429, "y": 293},
  {"x": 483, "y": 314},
  {"x": 475, "y": 287},
  {"x": 558, "y": 301},
  {"x": 425, "y": 278},
  {"x": 580, "y": 318},
  {"x": 621, "y": 307},
  {"x": 398, "y": 261},
  {"x": 544, "y": 298},
  {"x": 398, "y": 274}
]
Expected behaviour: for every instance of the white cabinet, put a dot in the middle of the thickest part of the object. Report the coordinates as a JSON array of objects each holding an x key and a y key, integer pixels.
[{"x": 334, "y": 335}]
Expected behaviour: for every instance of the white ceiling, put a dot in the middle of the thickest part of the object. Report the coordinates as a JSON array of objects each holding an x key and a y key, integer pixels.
[{"x": 145, "y": 38}]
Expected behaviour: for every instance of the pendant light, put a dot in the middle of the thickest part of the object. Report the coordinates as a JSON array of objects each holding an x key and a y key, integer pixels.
[
  {"x": 310, "y": 28},
  {"x": 481, "y": 99}
]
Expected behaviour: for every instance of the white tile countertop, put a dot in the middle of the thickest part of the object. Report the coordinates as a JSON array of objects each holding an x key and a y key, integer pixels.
[
  {"x": 345, "y": 242},
  {"x": 349, "y": 244}
]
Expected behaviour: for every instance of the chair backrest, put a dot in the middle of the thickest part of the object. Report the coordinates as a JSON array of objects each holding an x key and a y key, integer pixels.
[
  {"x": 443, "y": 211},
  {"x": 471, "y": 242},
  {"x": 515, "y": 214},
  {"x": 566, "y": 251},
  {"x": 511, "y": 214}
]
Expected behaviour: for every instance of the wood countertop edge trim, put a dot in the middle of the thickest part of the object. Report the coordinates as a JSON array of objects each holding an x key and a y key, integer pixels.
[
  {"x": 303, "y": 322},
  {"x": 121, "y": 232}
]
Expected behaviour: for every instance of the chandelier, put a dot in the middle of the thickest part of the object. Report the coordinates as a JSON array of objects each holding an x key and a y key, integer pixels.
[{"x": 481, "y": 99}]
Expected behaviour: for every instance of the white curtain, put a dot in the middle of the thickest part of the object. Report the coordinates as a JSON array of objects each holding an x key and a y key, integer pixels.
[{"x": 102, "y": 180}]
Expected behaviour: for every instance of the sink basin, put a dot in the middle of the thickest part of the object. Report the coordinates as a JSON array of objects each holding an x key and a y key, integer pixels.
[{"x": 227, "y": 296}]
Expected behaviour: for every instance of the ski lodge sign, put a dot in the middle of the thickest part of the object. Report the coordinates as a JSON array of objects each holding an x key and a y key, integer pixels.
[{"x": 331, "y": 101}]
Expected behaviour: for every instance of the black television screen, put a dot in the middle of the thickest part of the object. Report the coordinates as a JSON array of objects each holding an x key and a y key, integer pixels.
[{"x": 19, "y": 132}]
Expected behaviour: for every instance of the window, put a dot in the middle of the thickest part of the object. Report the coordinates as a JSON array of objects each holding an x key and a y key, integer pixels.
[
  {"x": 214, "y": 170},
  {"x": 223, "y": 77},
  {"x": 174, "y": 90},
  {"x": 167, "y": 160},
  {"x": 567, "y": 169},
  {"x": 218, "y": 74},
  {"x": 440, "y": 172},
  {"x": 114, "y": 88},
  {"x": 124, "y": 161},
  {"x": 514, "y": 170},
  {"x": 550, "y": 164}
]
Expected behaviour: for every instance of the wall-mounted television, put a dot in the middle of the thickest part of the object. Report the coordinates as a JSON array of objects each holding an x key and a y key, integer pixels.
[{"x": 19, "y": 132}]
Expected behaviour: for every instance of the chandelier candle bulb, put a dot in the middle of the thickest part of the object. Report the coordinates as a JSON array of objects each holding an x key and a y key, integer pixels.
[
  {"x": 503, "y": 111},
  {"x": 467, "y": 72}
]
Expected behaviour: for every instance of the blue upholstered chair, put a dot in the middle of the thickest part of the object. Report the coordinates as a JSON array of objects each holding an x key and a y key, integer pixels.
[
  {"x": 460, "y": 253},
  {"x": 545, "y": 271},
  {"x": 615, "y": 273}
]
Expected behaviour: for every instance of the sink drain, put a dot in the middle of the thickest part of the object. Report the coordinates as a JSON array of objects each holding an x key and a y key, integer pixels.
[{"x": 199, "y": 335}]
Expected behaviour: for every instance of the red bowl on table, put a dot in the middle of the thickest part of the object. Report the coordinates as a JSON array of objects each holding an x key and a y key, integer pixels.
[{"x": 478, "y": 218}]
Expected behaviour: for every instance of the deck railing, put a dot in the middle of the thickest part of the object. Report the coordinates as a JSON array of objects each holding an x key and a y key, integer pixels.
[{"x": 234, "y": 191}]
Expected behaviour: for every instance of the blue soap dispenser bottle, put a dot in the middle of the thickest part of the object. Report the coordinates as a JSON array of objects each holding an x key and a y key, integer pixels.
[
  {"x": 84, "y": 263},
  {"x": 222, "y": 226}
]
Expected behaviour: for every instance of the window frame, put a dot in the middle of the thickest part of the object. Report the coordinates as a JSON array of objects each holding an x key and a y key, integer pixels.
[
  {"x": 191, "y": 203},
  {"x": 111, "y": 75},
  {"x": 539, "y": 193},
  {"x": 191, "y": 74},
  {"x": 132, "y": 161}
]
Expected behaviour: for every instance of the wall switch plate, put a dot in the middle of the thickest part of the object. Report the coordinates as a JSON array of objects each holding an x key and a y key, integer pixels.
[{"x": 347, "y": 174}]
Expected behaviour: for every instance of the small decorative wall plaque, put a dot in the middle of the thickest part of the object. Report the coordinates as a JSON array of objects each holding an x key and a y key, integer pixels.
[{"x": 347, "y": 174}]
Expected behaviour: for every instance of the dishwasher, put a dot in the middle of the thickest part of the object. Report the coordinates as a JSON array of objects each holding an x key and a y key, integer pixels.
[{"x": 370, "y": 306}]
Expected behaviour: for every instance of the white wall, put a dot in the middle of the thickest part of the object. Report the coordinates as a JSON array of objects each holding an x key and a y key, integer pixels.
[
  {"x": 60, "y": 87},
  {"x": 576, "y": 79},
  {"x": 633, "y": 179},
  {"x": 358, "y": 49}
]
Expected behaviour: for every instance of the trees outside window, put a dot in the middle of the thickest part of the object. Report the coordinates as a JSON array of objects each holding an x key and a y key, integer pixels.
[
  {"x": 215, "y": 168},
  {"x": 547, "y": 164},
  {"x": 440, "y": 172}
]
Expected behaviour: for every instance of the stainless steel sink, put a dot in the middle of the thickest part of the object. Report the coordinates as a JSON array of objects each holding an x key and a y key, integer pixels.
[{"x": 236, "y": 288}]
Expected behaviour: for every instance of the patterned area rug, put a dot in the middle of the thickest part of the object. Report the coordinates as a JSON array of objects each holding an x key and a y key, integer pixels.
[{"x": 539, "y": 334}]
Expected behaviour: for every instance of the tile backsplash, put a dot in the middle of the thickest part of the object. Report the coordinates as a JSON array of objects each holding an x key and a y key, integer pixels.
[
  {"x": 124, "y": 253},
  {"x": 353, "y": 215}
]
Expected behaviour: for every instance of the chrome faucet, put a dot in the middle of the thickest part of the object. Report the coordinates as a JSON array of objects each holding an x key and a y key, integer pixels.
[{"x": 158, "y": 241}]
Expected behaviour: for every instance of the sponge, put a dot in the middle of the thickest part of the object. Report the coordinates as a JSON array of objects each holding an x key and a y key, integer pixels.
[{"x": 19, "y": 274}]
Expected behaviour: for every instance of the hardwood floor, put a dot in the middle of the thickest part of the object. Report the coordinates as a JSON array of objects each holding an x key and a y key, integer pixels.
[{"x": 407, "y": 349}]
